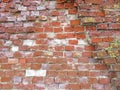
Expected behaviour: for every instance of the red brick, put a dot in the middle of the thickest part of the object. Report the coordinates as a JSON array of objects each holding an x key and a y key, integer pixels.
[
  {"x": 38, "y": 29},
  {"x": 87, "y": 54},
  {"x": 17, "y": 42},
  {"x": 6, "y": 66},
  {"x": 48, "y": 29},
  {"x": 61, "y": 36},
  {"x": 81, "y": 36},
  {"x": 116, "y": 67},
  {"x": 96, "y": 40},
  {"x": 61, "y": 73},
  {"x": 73, "y": 73},
  {"x": 93, "y": 1},
  {"x": 73, "y": 86},
  {"x": 57, "y": 29},
  {"x": 83, "y": 60},
  {"x": 60, "y": 6},
  {"x": 17, "y": 54},
  {"x": 68, "y": 29},
  {"x": 69, "y": 5},
  {"x": 35, "y": 66},
  {"x": 41, "y": 36},
  {"x": 107, "y": 39},
  {"x": 6, "y": 86},
  {"x": 83, "y": 73},
  {"x": 59, "y": 48},
  {"x": 49, "y": 80},
  {"x": 79, "y": 29},
  {"x": 110, "y": 61},
  {"x": 10, "y": 30},
  {"x": 5, "y": 79},
  {"x": 58, "y": 54},
  {"x": 72, "y": 11},
  {"x": 37, "y": 53},
  {"x": 73, "y": 42},
  {"x": 70, "y": 35},
  {"x": 85, "y": 86},
  {"x": 41, "y": 60},
  {"x": 75, "y": 22},
  {"x": 42, "y": 42},
  {"x": 90, "y": 28},
  {"x": 22, "y": 60},
  {"x": 104, "y": 80},
  {"x": 100, "y": 67},
  {"x": 93, "y": 80},
  {"x": 37, "y": 79},
  {"x": 114, "y": 26},
  {"x": 61, "y": 1},
  {"x": 55, "y": 23},
  {"x": 31, "y": 18},
  {"x": 54, "y": 13},
  {"x": 89, "y": 48},
  {"x": 6, "y": 1},
  {"x": 69, "y": 48},
  {"x": 94, "y": 73},
  {"x": 102, "y": 26}
]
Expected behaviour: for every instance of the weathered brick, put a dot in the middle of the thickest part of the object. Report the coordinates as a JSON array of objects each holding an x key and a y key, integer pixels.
[{"x": 12, "y": 61}]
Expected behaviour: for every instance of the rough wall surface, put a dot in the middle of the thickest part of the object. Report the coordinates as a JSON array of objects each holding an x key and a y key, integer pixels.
[{"x": 59, "y": 45}]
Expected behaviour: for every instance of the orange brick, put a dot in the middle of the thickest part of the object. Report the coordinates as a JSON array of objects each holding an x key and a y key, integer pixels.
[
  {"x": 5, "y": 79},
  {"x": 79, "y": 29},
  {"x": 75, "y": 22}
]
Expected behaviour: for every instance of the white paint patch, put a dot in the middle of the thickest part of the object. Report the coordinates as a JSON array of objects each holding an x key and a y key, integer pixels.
[
  {"x": 82, "y": 42},
  {"x": 14, "y": 48},
  {"x": 29, "y": 42},
  {"x": 35, "y": 73}
]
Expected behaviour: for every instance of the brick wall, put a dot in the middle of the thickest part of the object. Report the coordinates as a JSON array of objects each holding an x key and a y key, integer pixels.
[{"x": 59, "y": 45}]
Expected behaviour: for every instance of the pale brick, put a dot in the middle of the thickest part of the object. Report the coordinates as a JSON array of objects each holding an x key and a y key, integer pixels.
[
  {"x": 17, "y": 80},
  {"x": 21, "y": 18},
  {"x": 25, "y": 13},
  {"x": 48, "y": 53},
  {"x": 34, "y": 13},
  {"x": 13, "y": 18},
  {"x": 35, "y": 73},
  {"x": 22, "y": 8},
  {"x": 58, "y": 42},
  {"x": 82, "y": 42},
  {"x": 28, "y": 24},
  {"x": 41, "y": 7},
  {"x": 29, "y": 42},
  {"x": 51, "y": 35},
  {"x": 8, "y": 43}
]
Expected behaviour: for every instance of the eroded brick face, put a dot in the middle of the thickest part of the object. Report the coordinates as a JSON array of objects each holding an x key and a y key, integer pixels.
[{"x": 59, "y": 44}]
